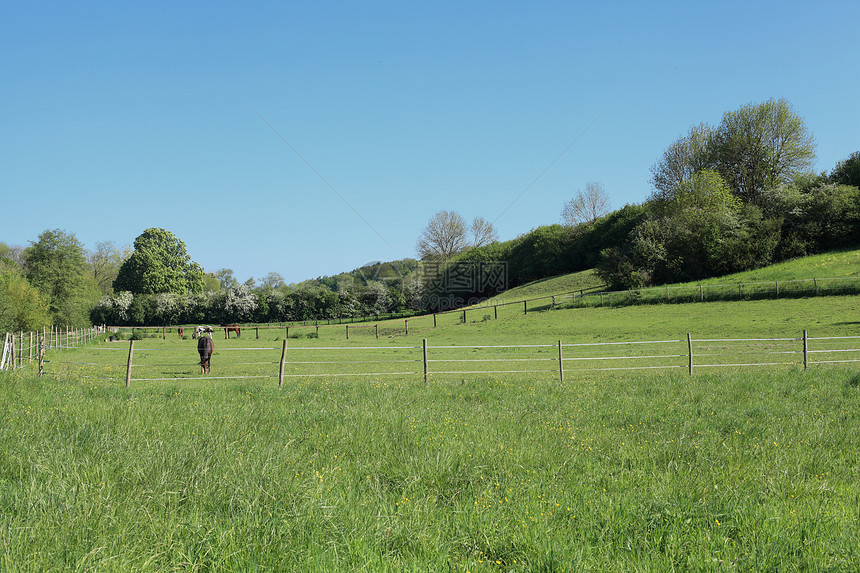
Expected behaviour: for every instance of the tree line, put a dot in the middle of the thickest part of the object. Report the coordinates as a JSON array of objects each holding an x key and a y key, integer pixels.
[{"x": 725, "y": 198}]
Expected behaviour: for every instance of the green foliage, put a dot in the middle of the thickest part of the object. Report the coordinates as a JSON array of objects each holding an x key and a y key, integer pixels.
[
  {"x": 159, "y": 264},
  {"x": 847, "y": 172},
  {"x": 22, "y": 307},
  {"x": 57, "y": 266},
  {"x": 762, "y": 146}
]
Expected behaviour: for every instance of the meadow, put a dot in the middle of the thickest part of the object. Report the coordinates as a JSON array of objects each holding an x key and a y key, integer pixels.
[{"x": 751, "y": 470}]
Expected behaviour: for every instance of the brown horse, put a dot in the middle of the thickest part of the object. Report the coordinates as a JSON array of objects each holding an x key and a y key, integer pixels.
[
  {"x": 181, "y": 332},
  {"x": 228, "y": 328},
  {"x": 205, "y": 347}
]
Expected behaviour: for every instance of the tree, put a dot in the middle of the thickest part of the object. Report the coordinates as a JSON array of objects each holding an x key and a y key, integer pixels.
[
  {"x": 159, "y": 263},
  {"x": 761, "y": 146},
  {"x": 443, "y": 237},
  {"x": 847, "y": 172},
  {"x": 586, "y": 206},
  {"x": 57, "y": 266},
  {"x": 483, "y": 232},
  {"x": 22, "y": 307},
  {"x": 685, "y": 157},
  {"x": 225, "y": 278},
  {"x": 12, "y": 253},
  {"x": 105, "y": 263}
]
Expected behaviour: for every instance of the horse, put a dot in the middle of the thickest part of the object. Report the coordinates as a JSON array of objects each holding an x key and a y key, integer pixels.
[
  {"x": 181, "y": 332},
  {"x": 205, "y": 347},
  {"x": 198, "y": 330},
  {"x": 228, "y": 328}
]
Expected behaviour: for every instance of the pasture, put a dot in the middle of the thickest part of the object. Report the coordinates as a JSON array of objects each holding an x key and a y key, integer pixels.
[{"x": 752, "y": 470}]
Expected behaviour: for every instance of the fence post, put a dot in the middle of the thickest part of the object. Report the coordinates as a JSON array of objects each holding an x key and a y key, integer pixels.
[
  {"x": 805, "y": 350},
  {"x": 496, "y": 311},
  {"x": 426, "y": 369},
  {"x": 525, "y": 307},
  {"x": 128, "y": 369},
  {"x": 777, "y": 289},
  {"x": 701, "y": 293},
  {"x": 288, "y": 332},
  {"x": 347, "y": 332},
  {"x": 281, "y": 369},
  {"x": 434, "y": 320},
  {"x": 815, "y": 282},
  {"x": 318, "y": 331},
  {"x": 377, "y": 330},
  {"x": 560, "y": 364},
  {"x": 42, "y": 355},
  {"x": 690, "y": 353},
  {"x": 406, "y": 322},
  {"x": 30, "y": 349},
  {"x": 257, "y": 328}
]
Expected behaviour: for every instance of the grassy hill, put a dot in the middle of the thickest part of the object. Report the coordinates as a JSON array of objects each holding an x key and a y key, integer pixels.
[{"x": 835, "y": 264}]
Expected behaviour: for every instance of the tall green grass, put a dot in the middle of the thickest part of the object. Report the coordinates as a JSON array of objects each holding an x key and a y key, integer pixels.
[{"x": 757, "y": 472}]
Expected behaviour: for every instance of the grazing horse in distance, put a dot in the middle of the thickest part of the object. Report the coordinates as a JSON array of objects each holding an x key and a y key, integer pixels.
[
  {"x": 198, "y": 330},
  {"x": 205, "y": 347},
  {"x": 181, "y": 332},
  {"x": 228, "y": 328}
]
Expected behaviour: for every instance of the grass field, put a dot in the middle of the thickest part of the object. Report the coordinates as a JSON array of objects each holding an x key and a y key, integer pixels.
[
  {"x": 749, "y": 470},
  {"x": 755, "y": 472}
]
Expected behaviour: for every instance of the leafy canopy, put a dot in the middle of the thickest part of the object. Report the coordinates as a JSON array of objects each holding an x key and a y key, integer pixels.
[{"x": 159, "y": 264}]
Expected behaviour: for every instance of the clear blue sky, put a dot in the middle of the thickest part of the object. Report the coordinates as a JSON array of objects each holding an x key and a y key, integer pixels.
[{"x": 118, "y": 116}]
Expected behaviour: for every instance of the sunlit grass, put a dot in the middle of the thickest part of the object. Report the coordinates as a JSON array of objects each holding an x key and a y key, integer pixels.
[{"x": 637, "y": 472}]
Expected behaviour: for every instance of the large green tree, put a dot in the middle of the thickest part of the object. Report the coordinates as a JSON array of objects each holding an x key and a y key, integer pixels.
[
  {"x": 159, "y": 264},
  {"x": 57, "y": 266},
  {"x": 761, "y": 146}
]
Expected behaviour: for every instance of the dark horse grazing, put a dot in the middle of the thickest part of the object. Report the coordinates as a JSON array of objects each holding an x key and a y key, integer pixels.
[
  {"x": 228, "y": 328},
  {"x": 205, "y": 347},
  {"x": 181, "y": 332}
]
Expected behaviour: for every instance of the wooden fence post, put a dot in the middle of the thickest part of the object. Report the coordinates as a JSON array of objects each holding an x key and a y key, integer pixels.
[
  {"x": 426, "y": 369},
  {"x": 257, "y": 328},
  {"x": 464, "y": 317},
  {"x": 281, "y": 369},
  {"x": 128, "y": 369},
  {"x": 525, "y": 307},
  {"x": 347, "y": 332},
  {"x": 777, "y": 289},
  {"x": 805, "y": 350},
  {"x": 377, "y": 330},
  {"x": 406, "y": 323},
  {"x": 288, "y": 332},
  {"x": 42, "y": 355},
  {"x": 560, "y": 364},
  {"x": 434, "y": 320},
  {"x": 690, "y": 353},
  {"x": 701, "y": 293},
  {"x": 496, "y": 312},
  {"x": 30, "y": 349}
]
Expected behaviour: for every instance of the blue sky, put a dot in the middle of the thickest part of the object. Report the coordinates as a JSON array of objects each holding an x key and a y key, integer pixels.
[{"x": 308, "y": 139}]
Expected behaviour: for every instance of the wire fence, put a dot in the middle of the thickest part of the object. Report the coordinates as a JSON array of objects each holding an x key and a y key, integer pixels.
[
  {"x": 24, "y": 348},
  {"x": 410, "y": 323},
  {"x": 153, "y": 363}
]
